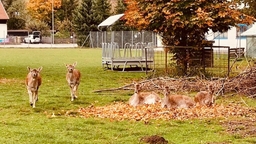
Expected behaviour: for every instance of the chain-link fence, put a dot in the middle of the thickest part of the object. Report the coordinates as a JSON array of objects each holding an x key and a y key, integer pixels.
[
  {"x": 121, "y": 38},
  {"x": 120, "y": 48},
  {"x": 17, "y": 37},
  {"x": 217, "y": 61}
]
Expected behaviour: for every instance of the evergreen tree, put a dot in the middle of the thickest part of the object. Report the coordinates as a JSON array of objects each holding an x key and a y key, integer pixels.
[
  {"x": 87, "y": 18},
  {"x": 120, "y": 24},
  {"x": 63, "y": 17},
  {"x": 102, "y": 10},
  {"x": 17, "y": 14},
  {"x": 67, "y": 7},
  {"x": 120, "y": 7},
  {"x": 15, "y": 23},
  {"x": 84, "y": 22}
]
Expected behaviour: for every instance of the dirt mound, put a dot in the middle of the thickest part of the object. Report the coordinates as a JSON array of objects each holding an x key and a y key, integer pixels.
[{"x": 155, "y": 139}]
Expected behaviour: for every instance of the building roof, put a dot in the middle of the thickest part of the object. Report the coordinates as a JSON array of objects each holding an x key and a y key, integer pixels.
[
  {"x": 3, "y": 14},
  {"x": 110, "y": 20},
  {"x": 251, "y": 31}
]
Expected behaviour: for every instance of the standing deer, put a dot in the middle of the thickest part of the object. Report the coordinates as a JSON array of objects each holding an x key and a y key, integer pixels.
[
  {"x": 176, "y": 101},
  {"x": 33, "y": 81},
  {"x": 139, "y": 97},
  {"x": 73, "y": 78},
  {"x": 205, "y": 98}
]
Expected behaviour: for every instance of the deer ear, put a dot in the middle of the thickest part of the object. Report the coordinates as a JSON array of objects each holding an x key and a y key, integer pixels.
[
  {"x": 140, "y": 85},
  {"x": 134, "y": 82},
  {"x": 74, "y": 64},
  {"x": 39, "y": 69},
  {"x": 66, "y": 65},
  {"x": 166, "y": 88}
]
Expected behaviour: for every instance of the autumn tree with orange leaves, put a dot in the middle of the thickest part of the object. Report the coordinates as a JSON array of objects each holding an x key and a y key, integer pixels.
[
  {"x": 249, "y": 6},
  {"x": 182, "y": 22},
  {"x": 42, "y": 9}
]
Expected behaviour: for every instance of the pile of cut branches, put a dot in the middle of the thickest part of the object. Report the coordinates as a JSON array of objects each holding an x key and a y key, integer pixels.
[{"x": 244, "y": 84}]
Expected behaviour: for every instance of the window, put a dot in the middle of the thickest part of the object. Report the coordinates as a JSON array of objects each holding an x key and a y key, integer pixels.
[{"x": 240, "y": 29}]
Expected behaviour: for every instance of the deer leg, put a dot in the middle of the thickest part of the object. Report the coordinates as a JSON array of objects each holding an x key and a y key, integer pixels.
[
  {"x": 30, "y": 97},
  {"x": 74, "y": 91},
  {"x": 34, "y": 99},
  {"x": 36, "y": 96},
  {"x": 71, "y": 93}
]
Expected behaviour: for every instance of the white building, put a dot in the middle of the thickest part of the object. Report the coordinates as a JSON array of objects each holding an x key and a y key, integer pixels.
[
  {"x": 231, "y": 38},
  {"x": 250, "y": 35}
]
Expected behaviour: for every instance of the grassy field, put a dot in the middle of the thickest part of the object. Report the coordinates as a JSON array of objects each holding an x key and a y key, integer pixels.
[{"x": 20, "y": 123}]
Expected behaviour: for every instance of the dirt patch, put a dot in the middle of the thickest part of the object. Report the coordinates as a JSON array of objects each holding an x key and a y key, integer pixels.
[
  {"x": 242, "y": 128},
  {"x": 9, "y": 81}
]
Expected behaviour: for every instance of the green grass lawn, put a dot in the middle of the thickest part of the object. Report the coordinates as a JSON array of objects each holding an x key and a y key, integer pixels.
[{"x": 20, "y": 123}]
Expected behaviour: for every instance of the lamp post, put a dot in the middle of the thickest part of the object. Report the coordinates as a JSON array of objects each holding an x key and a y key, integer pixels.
[{"x": 52, "y": 23}]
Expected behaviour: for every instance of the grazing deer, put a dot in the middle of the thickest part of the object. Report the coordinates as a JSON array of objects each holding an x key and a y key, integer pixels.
[
  {"x": 139, "y": 98},
  {"x": 205, "y": 98},
  {"x": 33, "y": 81},
  {"x": 176, "y": 101},
  {"x": 73, "y": 78}
]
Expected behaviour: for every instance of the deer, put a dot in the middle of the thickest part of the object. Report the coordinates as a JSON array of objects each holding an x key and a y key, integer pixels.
[
  {"x": 176, "y": 101},
  {"x": 139, "y": 97},
  {"x": 73, "y": 77},
  {"x": 205, "y": 98},
  {"x": 33, "y": 82}
]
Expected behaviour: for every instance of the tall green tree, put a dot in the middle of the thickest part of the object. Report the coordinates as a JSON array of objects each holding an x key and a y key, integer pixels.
[
  {"x": 36, "y": 25},
  {"x": 63, "y": 17},
  {"x": 66, "y": 9},
  {"x": 87, "y": 17},
  {"x": 120, "y": 7},
  {"x": 102, "y": 10},
  {"x": 17, "y": 14},
  {"x": 84, "y": 22},
  {"x": 16, "y": 23},
  {"x": 7, "y": 3}
]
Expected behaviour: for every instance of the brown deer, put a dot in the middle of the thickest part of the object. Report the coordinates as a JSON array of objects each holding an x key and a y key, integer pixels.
[
  {"x": 176, "y": 101},
  {"x": 205, "y": 98},
  {"x": 139, "y": 98},
  {"x": 33, "y": 82},
  {"x": 73, "y": 78}
]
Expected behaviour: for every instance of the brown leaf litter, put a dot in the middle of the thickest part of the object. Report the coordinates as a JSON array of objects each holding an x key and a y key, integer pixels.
[{"x": 122, "y": 111}]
